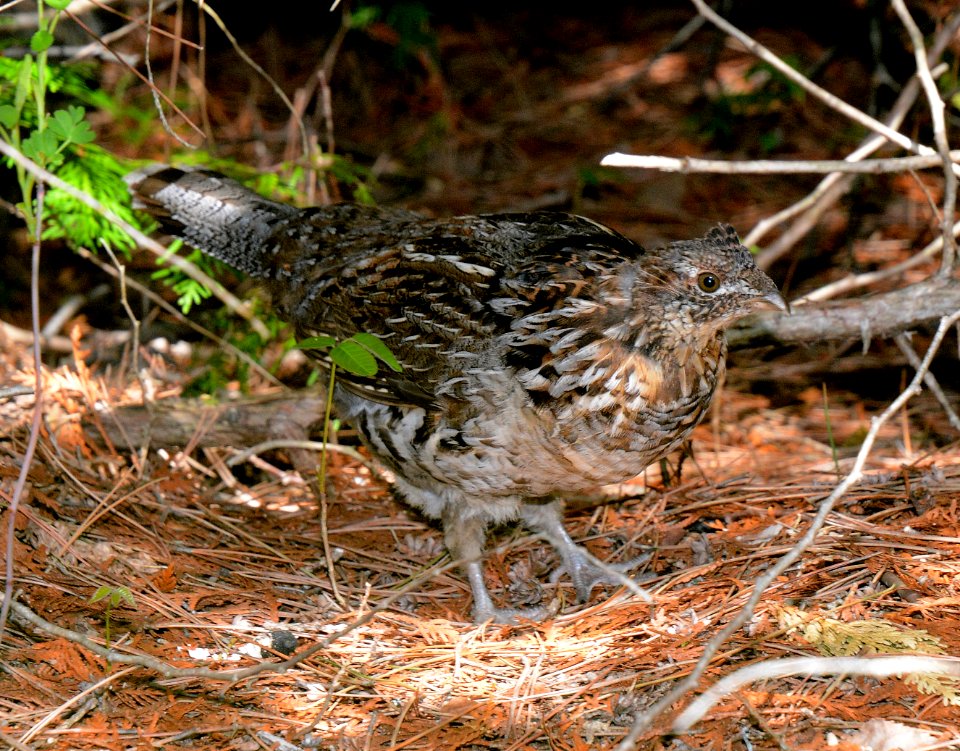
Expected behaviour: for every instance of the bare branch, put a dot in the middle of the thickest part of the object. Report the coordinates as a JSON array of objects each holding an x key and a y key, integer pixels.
[
  {"x": 117, "y": 338},
  {"x": 839, "y": 179},
  {"x": 809, "y": 209},
  {"x": 155, "y": 90},
  {"x": 878, "y": 667},
  {"x": 689, "y": 165},
  {"x": 939, "y": 136},
  {"x": 19, "y": 486},
  {"x": 89, "y": 691},
  {"x": 835, "y": 185},
  {"x": 281, "y": 94},
  {"x": 903, "y": 342},
  {"x": 856, "y": 281},
  {"x": 26, "y": 615}
]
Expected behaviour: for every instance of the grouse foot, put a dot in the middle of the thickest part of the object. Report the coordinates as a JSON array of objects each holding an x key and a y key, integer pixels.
[{"x": 584, "y": 569}]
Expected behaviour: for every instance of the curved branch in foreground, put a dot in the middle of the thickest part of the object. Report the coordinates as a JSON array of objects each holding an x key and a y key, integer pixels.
[
  {"x": 884, "y": 314},
  {"x": 881, "y": 667}
]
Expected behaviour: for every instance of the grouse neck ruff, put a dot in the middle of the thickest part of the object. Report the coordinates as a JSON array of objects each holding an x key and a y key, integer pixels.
[{"x": 542, "y": 353}]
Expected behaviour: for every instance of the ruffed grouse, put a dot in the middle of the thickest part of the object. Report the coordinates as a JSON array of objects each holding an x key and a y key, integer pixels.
[{"x": 543, "y": 354}]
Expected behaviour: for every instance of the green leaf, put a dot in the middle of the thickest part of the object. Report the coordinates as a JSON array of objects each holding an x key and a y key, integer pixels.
[
  {"x": 61, "y": 122},
  {"x": 378, "y": 349},
  {"x": 42, "y": 146},
  {"x": 316, "y": 342},
  {"x": 191, "y": 292},
  {"x": 41, "y": 41},
  {"x": 126, "y": 595},
  {"x": 9, "y": 116},
  {"x": 59, "y": 4},
  {"x": 70, "y": 125},
  {"x": 83, "y": 133},
  {"x": 354, "y": 358},
  {"x": 101, "y": 593}
]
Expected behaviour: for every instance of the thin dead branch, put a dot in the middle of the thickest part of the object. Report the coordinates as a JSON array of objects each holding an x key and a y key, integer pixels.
[
  {"x": 839, "y": 179},
  {"x": 693, "y": 165},
  {"x": 107, "y": 50},
  {"x": 903, "y": 342},
  {"x": 878, "y": 667},
  {"x": 277, "y": 89},
  {"x": 831, "y": 100},
  {"x": 87, "y": 692},
  {"x": 835, "y": 185},
  {"x": 935, "y": 101},
  {"x": 119, "y": 338},
  {"x": 155, "y": 90},
  {"x": 13, "y": 502},
  {"x": 215, "y": 556},
  {"x": 364, "y": 616},
  {"x": 858, "y": 281},
  {"x": 107, "y": 339}
]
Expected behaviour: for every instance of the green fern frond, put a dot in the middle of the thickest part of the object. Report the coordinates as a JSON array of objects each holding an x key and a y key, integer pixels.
[{"x": 97, "y": 173}]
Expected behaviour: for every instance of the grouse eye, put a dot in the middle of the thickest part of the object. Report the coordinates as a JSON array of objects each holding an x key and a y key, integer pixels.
[{"x": 708, "y": 282}]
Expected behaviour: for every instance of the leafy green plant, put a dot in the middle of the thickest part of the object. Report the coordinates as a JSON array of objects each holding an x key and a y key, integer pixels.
[
  {"x": 49, "y": 135},
  {"x": 357, "y": 354},
  {"x": 189, "y": 291},
  {"x": 60, "y": 142},
  {"x": 98, "y": 173},
  {"x": 113, "y": 597}
]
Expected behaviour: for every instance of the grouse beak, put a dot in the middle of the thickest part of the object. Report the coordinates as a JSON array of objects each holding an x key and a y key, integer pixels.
[{"x": 775, "y": 300}]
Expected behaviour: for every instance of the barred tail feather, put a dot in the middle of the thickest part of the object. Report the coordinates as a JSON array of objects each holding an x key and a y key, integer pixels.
[{"x": 217, "y": 215}]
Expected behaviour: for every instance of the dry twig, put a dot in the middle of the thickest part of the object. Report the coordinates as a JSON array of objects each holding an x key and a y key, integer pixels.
[
  {"x": 939, "y": 136},
  {"x": 19, "y": 486}
]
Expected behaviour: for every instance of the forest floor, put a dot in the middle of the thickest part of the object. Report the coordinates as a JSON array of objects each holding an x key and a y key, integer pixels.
[{"x": 218, "y": 562}]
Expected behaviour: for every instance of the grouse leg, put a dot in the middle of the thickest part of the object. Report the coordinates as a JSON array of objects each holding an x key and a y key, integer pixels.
[
  {"x": 464, "y": 535},
  {"x": 546, "y": 520}
]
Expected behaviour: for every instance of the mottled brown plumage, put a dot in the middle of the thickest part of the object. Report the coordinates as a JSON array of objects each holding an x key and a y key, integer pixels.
[{"x": 543, "y": 354}]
